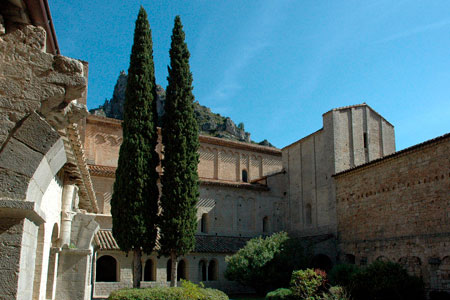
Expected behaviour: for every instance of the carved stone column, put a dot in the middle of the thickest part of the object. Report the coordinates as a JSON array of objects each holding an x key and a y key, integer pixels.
[{"x": 69, "y": 193}]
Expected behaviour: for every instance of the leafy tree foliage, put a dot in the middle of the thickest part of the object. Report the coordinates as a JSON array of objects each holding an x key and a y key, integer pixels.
[
  {"x": 180, "y": 140},
  {"x": 134, "y": 203},
  {"x": 387, "y": 281},
  {"x": 267, "y": 263},
  {"x": 342, "y": 274}
]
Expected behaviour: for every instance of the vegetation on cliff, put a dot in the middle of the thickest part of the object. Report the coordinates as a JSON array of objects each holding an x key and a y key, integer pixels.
[{"x": 209, "y": 123}]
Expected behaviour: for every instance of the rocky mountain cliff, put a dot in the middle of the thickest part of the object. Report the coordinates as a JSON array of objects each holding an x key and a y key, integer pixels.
[{"x": 209, "y": 123}]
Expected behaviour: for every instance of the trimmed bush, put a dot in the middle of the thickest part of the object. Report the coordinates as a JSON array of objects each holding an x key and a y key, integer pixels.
[
  {"x": 188, "y": 291},
  {"x": 279, "y": 294},
  {"x": 336, "y": 293},
  {"x": 387, "y": 281},
  {"x": 342, "y": 274},
  {"x": 267, "y": 263},
  {"x": 308, "y": 284}
]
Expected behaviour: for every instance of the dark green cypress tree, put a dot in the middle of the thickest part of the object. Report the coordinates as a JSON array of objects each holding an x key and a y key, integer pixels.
[
  {"x": 180, "y": 140},
  {"x": 134, "y": 204}
]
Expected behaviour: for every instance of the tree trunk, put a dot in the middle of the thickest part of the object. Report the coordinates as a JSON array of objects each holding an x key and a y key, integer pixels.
[
  {"x": 137, "y": 267},
  {"x": 173, "y": 281}
]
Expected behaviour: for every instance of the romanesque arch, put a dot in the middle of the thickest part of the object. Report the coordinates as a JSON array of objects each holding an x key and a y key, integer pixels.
[
  {"x": 213, "y": 270},
  {"x": 182, "y": 270},
  {"x": 322, "y": 262},
  {"x": 202, "y": 271},
  {"x": 106, "y": 269},
  {"x": 412, "y": 264},
  {"x": 169, "y": 270},
  {"x": 149, "y": 270}
]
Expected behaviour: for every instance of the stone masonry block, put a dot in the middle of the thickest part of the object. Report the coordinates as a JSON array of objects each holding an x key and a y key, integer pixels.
[
  {"x": 20, "y": 158},
  {"x": 13, "y": 185},
  {"x": 37, "y": 133},
  {"x": 56, "y": 156}
]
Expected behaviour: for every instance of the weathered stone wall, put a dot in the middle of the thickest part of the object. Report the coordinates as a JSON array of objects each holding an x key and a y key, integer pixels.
[
  {"x": 227, "y": 163},
  {"x": 398, "y": 209},
  {"x": 37, "y": 98},
  {"x": 350, "y": 136},
  {"x": 222, "y": 162},
  {"x": 232, "y": 211}
]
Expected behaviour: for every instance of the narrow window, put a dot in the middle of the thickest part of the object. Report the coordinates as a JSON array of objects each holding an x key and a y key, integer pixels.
[
  {"x": 204, "y": 223},
  {"x": 181, "y": 271},
  {"x": 365, "y": 140},
  {"x": 266, "y": 224},
  {"x": 212, "y": 270},
  {"x": 244, "y": 176},
  {"x": 149, "y": 271},
  {"x": 106, "y": 269},
  {"x": 308, "y": 214}
]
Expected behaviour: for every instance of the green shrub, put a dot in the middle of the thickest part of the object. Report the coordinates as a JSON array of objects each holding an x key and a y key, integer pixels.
[
  {"x": 266, "y": 263},
  {"x": 308, "y": 284},
  {"x": 188, "y": 291},
  {"x": 279, "y": 294},
  {"x": 342, "y": 274},
  {"x": 336, "y": 293},
  {"x": 386, "y": 281}
]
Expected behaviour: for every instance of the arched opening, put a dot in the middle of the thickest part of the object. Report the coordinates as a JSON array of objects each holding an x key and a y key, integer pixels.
[
  {"x": 322, "y": 262},
  {"x": 106, "y": 269},
  {"x": 244, "y": 175},
  {"x": 38, "y": 262},
  {"x": 202, "y": 270},
  {"x": 412, "y": 264},
  {"x": 308, "y": 214},
  {"x": 52, "y": 264},
  {"x": 181, "y": 270},
  {"x": 266, "y": 224},
  {"x": 149, "y": 270},
  {"x": 212, "y": 270},
  {"x": 169, "y": 270},
  {"x": 350, "y": 259},
  {"x": 382, "y": 258},
  {"x": 204, "y": 223}
]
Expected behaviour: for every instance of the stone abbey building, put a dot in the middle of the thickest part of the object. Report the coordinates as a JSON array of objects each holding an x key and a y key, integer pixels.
[{"x": 344, "y": 188}]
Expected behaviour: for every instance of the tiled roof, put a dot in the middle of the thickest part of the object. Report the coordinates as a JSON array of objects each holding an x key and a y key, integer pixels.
[
  {"x": 219, "y": 244},
  {"x": 235, "y": 184},
  {"x": 204, "y": 243},
  {"x": 105, "y": 171},
  {"x": 105, "y": 240}
]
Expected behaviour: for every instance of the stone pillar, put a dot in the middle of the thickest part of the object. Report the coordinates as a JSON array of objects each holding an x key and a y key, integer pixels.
[
  {"x": 69, "y": 193},
  {"x": 74, "y": 274}
]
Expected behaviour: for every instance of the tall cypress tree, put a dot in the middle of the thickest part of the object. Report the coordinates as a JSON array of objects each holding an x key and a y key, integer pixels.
[
  {"x": 134, "y": 204},
  {"x": 180, "y": 140}
]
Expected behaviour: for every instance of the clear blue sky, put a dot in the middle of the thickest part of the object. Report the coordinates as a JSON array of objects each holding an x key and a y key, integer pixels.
[{"x": 279, "y": 65}]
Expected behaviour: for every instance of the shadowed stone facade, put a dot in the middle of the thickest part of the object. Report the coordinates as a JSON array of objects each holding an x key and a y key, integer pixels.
[{"x": 343, "y": 188}]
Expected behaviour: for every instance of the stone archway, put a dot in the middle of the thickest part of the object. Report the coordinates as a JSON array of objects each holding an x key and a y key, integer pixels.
[{"x": 37, "y": 99}]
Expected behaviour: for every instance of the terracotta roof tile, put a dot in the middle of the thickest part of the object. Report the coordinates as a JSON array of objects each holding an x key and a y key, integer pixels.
[{"x": 104, "y": 239}]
